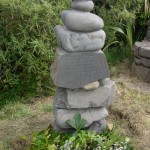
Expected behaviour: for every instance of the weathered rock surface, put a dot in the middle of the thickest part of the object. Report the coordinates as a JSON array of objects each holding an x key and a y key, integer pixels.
[
  {"x": 91, "y": 86},
  {"x": 79, "y": 41},
  {"x": 145, "y": 51},
  {"x": 81, "y": 99},
  {"x": 142, "y": 61},
  {"x": 141, "y": 49},
  {"x": 98, "y": 126},
  {"x": 74, "y": 70},
  {"x": 91, "y": 115},
  {"x": 81, "y": 21},
  {"x": 83, "y": 5},
  {"x": 137, "y": 61},
  {"x": 143, "y": 73}
]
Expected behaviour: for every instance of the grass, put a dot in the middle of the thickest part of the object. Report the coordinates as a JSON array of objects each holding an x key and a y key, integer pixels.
[
  {"x": 46, "y": 107},
  {"x": 15, "y": 111},
  {"x": 116, "y": 55}
]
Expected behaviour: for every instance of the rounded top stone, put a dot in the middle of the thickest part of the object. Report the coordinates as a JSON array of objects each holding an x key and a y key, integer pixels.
[
  {"x": 83, "y": 5},
  {"x": 81, "y": 21}
]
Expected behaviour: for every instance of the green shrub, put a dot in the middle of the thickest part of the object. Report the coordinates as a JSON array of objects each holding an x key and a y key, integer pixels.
[
  {"x": 111, "y": 10},
  {"x": 80, "y": 139},
  {"x": 85, "y": 140},
  {"x": 27, "y": 43}
]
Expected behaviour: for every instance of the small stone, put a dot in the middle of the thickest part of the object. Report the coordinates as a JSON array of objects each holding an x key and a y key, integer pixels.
[
  {"x": 91, "y": 86},
  {"x": 83, "y": 5},
  {"x": 74, "y": 70},
  {"x": 78, "y": 41},
  {"x": 110, "y": 126},
  {"x": 145, "y": 51},
  {"x": 81, "y": 99},
  {"x": 91, "y": 115},
  {"x": 81, "y": 21}
]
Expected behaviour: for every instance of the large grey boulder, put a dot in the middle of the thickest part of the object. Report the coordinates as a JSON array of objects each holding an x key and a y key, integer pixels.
[
  {"x": 79, "y": 41},
  {"x": 74, "y": 70},
  {"x": 80, "y": 99},
  {"x": 91, "y": 115},
  {"x": 81, "y": 21}
]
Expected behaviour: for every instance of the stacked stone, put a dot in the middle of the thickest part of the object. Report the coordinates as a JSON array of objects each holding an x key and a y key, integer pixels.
[
  {"x": 80, "y": 70},
  {"x": 141, "y": 64}
]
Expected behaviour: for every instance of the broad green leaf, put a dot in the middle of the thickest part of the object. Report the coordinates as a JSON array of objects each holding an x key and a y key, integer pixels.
[{"x": 117, "y": 29}]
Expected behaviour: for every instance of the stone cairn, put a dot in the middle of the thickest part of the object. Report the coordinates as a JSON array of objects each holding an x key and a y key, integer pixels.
[
  {"x": 80, "y": 70},
  {"x": 141, "y": 64}
]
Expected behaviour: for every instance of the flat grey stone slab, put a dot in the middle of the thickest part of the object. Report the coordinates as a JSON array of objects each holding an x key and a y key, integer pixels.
[
  {"x": 68, "y": 99},
  {"x": 141, "y": 49},
  {"x": 83, "y": 5},
  {"x": 74, "y": 70},
  {"x": 81, "y": 21},
  {"x": 79, "y": 41},
  {"x": 91, "y": 115},
  {"x": 143, "y": 73}
]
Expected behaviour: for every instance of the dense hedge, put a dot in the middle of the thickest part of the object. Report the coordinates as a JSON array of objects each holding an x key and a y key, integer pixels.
[{"x": 27, "y": 40}]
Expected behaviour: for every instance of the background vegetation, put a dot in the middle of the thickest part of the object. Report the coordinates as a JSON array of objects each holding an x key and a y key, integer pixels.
[
  {"x": 27, "y": 40},
  {"x": 27, "y": 45}
]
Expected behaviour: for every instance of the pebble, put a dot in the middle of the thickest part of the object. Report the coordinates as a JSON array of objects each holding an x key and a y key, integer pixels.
[{"x": 91, "y": 86}]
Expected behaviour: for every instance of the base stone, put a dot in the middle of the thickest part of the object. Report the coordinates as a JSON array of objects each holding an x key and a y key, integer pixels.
[
  {"x": 102, "y": 96},
  {"x": 98, "y": 126},
  {"x": 75, "y": 70},
  {"x": 91, "y": 115},
  {"x": 143, "y": 73}
]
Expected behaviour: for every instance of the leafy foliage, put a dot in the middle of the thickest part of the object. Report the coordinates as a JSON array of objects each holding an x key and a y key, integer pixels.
[
  {"x": 27, "y": 44},
  {"x": 114, "y": 15},
  {"x": 51, "y": 140},
  {"x": 77, "y": 122}
]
